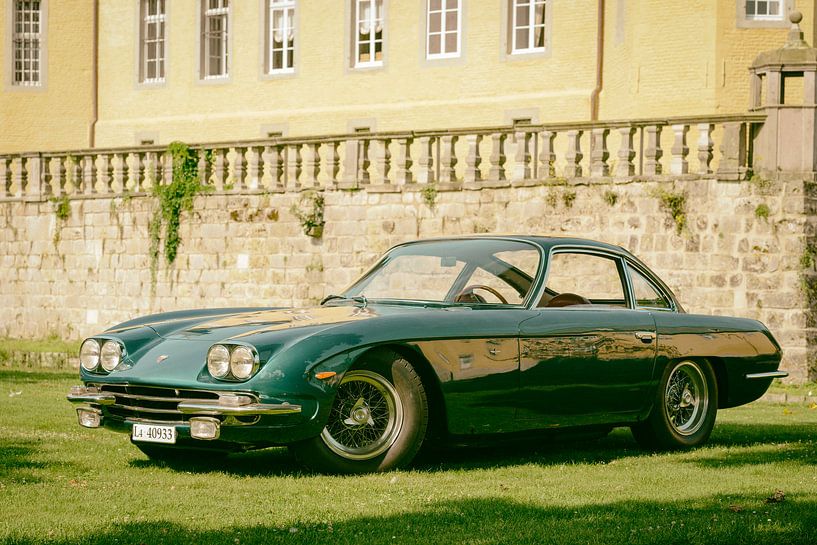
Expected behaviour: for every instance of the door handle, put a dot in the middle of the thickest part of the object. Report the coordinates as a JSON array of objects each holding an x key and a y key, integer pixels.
[{"x": 645, "y": 337}]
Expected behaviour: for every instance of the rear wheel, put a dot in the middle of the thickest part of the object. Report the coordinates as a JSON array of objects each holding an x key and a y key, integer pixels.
[
  {"x": 685, "y": 407},
  {"x": 378, "y": 420}
]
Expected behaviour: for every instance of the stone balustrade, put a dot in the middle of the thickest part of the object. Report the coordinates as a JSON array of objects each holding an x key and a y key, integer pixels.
[{"x": 463, "y": 158}]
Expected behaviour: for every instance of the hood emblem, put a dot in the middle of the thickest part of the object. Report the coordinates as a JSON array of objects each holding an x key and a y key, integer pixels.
[{"x": 161, "y": 358}]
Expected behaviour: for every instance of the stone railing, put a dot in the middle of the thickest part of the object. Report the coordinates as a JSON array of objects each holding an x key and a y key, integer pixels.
[{"x": 462, "y": 158}]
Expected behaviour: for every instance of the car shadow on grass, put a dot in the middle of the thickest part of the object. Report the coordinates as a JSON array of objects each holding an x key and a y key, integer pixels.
[
  {"x": 741, "y": 519},
  {"x": 16, "y": 464}
]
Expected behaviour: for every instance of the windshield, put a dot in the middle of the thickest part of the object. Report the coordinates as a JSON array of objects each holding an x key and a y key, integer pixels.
[{"x": 469, "y": 271}]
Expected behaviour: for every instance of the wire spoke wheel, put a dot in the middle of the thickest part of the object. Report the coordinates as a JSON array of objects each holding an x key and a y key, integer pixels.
[
  {"x": 366, "y": 418},
  {"x": 686, "y": 398}
]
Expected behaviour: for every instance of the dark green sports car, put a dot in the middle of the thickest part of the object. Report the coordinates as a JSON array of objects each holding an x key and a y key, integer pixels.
[{"x": 446, "y": 339}]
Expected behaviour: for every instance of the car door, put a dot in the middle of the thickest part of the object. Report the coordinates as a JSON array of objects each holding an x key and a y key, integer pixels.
[{"x": 590, "y": 361}]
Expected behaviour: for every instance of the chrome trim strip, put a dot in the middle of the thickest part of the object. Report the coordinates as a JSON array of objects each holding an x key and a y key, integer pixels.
[
  {"x": 770, "y": 374},
  {"x": 153, "y": 398},
  {"x": 215, "y": 408},
  {"x": 143, "y": 409},
  {"x": 98, "y": 399}
]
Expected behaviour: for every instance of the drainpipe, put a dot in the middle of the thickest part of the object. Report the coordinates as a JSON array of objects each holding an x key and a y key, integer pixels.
[
  {"x": 94, "y": 78},
  {"x": 594, "y": 96}
]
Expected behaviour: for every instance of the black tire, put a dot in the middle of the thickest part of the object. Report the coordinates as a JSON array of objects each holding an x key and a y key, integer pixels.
[
  {"x": 684, "y": 410},
  {"x": 179, "y": 456},
  {"x": 377, "y": 423}
]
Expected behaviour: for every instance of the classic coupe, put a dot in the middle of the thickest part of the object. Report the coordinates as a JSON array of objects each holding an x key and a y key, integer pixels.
[{"x": 443, "y": 339}]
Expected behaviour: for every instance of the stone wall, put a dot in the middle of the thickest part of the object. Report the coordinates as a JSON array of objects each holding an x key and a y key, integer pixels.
[{"x": 732, "y": 248}]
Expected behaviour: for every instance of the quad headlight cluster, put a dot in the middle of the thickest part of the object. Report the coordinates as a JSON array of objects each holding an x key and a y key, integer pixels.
[
  {"x": 96, "y": 358},
  {"x": 231, "y": 362}
]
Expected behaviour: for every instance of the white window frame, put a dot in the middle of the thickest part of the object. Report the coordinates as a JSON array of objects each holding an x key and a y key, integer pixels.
[
  {"x": 372, "y": 39},
  {"x": 22, "y": 43},
  {"x": 288, "y": 9},
  {"x": 223, "y": 10},
  {"x": 160, "y": 20},
  {"x": 744, "y": 20},
  {"x": 531, "y": 27},
  {"x": 443, "y": 54},
  {"x": 781, "y": 6}
]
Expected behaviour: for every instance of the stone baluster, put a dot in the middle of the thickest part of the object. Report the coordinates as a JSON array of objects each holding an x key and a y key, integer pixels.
[
  {"x": 497, "y": 171},
  {"x": 351, "y": 157},
  {"x": 547, "y": 156},
  {"x": 448, "y": 159},
  {"x": 599, "y": 154},
  {"x": 166, "y": 160},
  {"x": 403, "y": 174},
  {"x": 626, "y": 153},
  {"x": 473, "y": 160},
  {"x": 5, "y": 177},
  {"x": 275, "y": 165},
  {"x": 203, "y": 168},
  {"x": 119, "y": 175},
  {"x": 311, "y": 164},
  {"x": 219, "y": 169},
  {"x": 733, "y": 152},
  {"x": 34, "y": 175},
  {"x": 255, "y": 169},
  {"x": 680, "y": 150},
  {"x": 57, "y": 168},
  {"x": 653, "y": 152},
  {"x": 293, "y": 166},
  {"x": 521, "y": 160},
  {"x": 239, "y": 168},
  {"x": 89, "y": 174},
  {"x": 137, "y": 171},
  {"x": 705, "y": 148},
  {"x": 363, "y": 163},
  {"x": 574, "y": 156},
  {"x": 151, "y": 169},
  {"x": 331, "y": 162},
  {"x": 382, "y": 160},
  {"x": 105, "y": 173},
  {"x": 425, "y": 162},
  {"x": 18, "y": 173}
]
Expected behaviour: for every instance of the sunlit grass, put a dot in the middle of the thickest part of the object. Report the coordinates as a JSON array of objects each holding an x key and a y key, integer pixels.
[{"x": 60, "y": 483}]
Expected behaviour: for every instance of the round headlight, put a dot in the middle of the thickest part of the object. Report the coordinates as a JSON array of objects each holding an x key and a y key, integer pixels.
[
  {"x": 218, "y": 361},
  {"x": 89, "y": 354},
  {"x": 242, "y": 362},
  {"x": 110, "y": 355}
]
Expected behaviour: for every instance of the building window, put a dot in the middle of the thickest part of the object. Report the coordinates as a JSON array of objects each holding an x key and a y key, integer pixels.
[
  {"x": 215, "y": 39},
  {"x": 764, "y": 10},
  {"x": 528, "y": 26},
  {"x": 444, "y": 24},
  {"x": 368, "y": 31},
  {"x": 152, "y": 50},
  {"x": 281, "y": 36},
  {"x": 27, "y": 36}
]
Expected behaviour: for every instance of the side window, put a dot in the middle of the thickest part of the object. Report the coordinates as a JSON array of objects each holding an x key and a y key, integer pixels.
[
  {"x": 646, "y": 295},
  {"x": 576, "y": 278}
]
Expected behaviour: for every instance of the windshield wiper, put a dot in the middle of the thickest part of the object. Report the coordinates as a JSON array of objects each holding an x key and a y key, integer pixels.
[{"x": 358, "y": 299}]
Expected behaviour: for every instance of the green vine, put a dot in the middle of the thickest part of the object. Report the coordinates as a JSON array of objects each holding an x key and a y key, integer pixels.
[
  {"x": 62, "y": 211},
  {"x": 311, "y": 217},
  {"x": 762, "y": 211},
  {"x": 174, "y": 198},
  {"x": 674, "y": 203},
  {"x": 568, "y": 197},
  {"x": 610, "y": 197},
  {"x": 429, "y": 193}
]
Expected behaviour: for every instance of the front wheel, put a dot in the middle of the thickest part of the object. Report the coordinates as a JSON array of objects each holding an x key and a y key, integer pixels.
[
  {"x": 377, "y": 422},
  {"x": 685, "y": 407}
]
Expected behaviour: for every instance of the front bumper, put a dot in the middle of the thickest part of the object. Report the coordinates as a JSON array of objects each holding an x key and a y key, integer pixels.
[{"x": 242, "y": 421}]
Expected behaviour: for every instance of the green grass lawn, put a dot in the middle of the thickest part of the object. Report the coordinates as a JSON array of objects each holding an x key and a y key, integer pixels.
[{"x": 60, "y": 483}]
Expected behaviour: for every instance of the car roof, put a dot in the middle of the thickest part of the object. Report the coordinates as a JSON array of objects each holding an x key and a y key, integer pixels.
[{"x": 545, "y": 242}]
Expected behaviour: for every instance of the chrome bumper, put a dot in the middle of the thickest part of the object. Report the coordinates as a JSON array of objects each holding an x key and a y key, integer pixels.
[
  {"x": 769, "y": 374},
  {"x": 225, "y": 405}
]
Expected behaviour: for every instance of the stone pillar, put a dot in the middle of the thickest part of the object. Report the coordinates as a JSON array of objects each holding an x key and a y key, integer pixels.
[
  {"x": 599, "y": 154},
  {"x": 105, "y": 173},
  {"x": 679, "y": 163},
  {"x": 89, "y": 174},
  {"x": 34, "y": 175},
  {"x": 547, "y": 156},
  {"x": 403, "y": 175},
  {"x": 521, "y": 158},
  {"x": 574, "y": 155},
  {"x": 705, "y": 147},
  {"x": 311, "y": 165},
  {"x": 239, "y": 168},
  {"x": 219, "y": 170},
  {"x": 448, "y": 159},
  {"x": 497, "y": 171},
  {"x": 119, "y": 177},
  {"x": 626, "y": 153},
  {"x": 275, "y": 165},
  {"x": 733, "y": 152},
  {"x": 425, "y": 174},
  {"x": 57, "y": 167},
  {"x": 5, "y": 176},
  {"x": 254, "y": 167},
  {"x": 332, "y": 162},
  {"x": 473, "y": 160},
  {"x": 653, "y": 153}
]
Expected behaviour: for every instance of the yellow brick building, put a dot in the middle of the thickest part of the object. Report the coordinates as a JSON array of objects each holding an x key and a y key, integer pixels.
[{"x": 122, "y": 72}]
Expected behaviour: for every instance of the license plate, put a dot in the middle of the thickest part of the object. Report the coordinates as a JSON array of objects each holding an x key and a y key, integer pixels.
[{"x": 150, "y": 433}]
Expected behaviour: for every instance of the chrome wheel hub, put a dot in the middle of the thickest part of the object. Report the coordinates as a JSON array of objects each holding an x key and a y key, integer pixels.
[
  {"x": 366, "y": 418},
  {"x": 686, "y": 398}
]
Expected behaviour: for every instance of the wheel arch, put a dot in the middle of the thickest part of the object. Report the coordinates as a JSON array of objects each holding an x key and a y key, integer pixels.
[{"x": 438, "y": 421}]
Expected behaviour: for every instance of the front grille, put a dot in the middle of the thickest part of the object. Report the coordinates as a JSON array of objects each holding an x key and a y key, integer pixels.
[{"x": 151, "y": 402}]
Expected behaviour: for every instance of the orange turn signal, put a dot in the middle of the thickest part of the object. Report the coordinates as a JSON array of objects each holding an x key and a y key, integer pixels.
[{"x": 323, "y": 375}]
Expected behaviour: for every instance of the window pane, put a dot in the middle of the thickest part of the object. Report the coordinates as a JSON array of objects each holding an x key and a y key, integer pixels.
[
  {"x": 522, "y": 38},
  {"x": 434, "y": 22},
  {"x": 592, "y": 277},
  {"x": 451, "y": 20},
  {"x": 434, "y": 44},
  {"x": 522, "y": 15},
  {"x": 750, "y": 8},
  {"x": 645, "y": 293},
  {"x": 451, "y": 42},
  {"x": 434, "y": 5}
]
